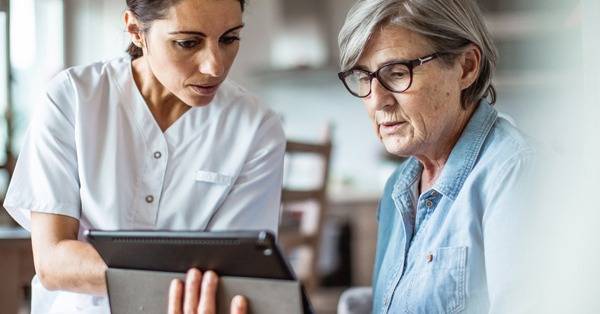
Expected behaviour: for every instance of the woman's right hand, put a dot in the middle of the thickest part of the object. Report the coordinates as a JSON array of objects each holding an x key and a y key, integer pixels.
[{"x": 199, "y": 294}]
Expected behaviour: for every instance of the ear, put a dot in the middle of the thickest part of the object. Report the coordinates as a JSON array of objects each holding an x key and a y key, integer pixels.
[
  {"x": 470, "y": 63},
  {"x": 134, "y": 28}
]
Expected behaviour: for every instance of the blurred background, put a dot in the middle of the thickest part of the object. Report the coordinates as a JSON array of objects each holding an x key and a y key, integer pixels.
[{"x": 335, "y": 167}]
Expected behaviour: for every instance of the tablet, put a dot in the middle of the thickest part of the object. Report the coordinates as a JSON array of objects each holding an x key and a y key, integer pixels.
[
  {"x": 146, "y": 292},
  {"x": 251, "y": 254}
]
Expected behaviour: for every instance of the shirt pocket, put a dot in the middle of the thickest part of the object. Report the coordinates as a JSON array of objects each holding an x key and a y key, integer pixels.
[
  {"x": 439, "y": 284},
  {"x": 210, "y": 192},
  {"x": 213, "y": 177}
]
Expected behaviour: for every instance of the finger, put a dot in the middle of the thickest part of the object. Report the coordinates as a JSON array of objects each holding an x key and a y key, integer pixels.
[
  {"x": 175, "y": 296},
  {"x": 208, "y": 293},
  {"x": 193, "y": 279},
  {"x": 239, "y": 305}
]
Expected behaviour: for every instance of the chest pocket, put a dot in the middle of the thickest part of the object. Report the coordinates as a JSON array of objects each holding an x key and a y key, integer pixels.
[
  {"x": 439, "y": 282},
  {"x": 213, "y": 177},
  {"x": 211, "y": 189}
]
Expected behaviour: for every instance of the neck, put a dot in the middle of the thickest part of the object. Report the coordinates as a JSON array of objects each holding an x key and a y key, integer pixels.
[
  {"x": 435, "y": 159},
  {"x": 164, "y": 106}
]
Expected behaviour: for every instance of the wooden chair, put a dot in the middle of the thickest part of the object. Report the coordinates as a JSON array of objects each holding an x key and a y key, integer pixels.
[{"x": 304, "y": 210}]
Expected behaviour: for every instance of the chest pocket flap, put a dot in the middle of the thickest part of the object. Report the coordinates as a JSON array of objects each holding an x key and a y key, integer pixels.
[
  {"x": 213, "y": 177},
  {"x": 440, "y": 282}
]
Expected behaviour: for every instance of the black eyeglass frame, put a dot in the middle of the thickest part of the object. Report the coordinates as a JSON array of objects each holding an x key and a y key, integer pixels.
[{"x": 411, "y": 64}]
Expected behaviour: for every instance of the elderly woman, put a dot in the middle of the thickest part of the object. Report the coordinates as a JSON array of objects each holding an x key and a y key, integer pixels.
[{"x": 424, "y": 70}]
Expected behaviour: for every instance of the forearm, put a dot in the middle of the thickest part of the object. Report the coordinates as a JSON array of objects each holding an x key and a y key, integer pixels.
[{"x": 74, "y": 266}]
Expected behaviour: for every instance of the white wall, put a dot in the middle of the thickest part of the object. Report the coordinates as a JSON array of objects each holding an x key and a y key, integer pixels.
[{"x": 94, "y": 30}]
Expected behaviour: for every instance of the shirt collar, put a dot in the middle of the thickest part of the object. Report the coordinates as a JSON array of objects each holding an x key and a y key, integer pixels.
[
  {"x": 466, "y": 150},
  {"x": 462, "y": 157}
]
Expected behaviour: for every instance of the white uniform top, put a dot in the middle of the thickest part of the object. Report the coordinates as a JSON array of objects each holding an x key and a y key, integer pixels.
[{"x": 94, "y": 152}]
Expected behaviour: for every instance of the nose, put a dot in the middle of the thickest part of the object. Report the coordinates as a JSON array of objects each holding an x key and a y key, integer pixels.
[
  {"x": 380, "y": 98},
  {"x": 211, "y": 61}
]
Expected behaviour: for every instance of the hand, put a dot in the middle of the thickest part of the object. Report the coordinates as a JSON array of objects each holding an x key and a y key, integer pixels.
[{"x": 199, "y": 295}]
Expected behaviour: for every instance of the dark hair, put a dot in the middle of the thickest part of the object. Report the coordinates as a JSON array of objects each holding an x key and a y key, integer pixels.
[{"x": 147, "y": 11}]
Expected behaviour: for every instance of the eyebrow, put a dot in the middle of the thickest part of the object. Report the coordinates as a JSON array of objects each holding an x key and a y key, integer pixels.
[
  {"x": 382, "y": 64},
  {"x": 202, "y": 34}
]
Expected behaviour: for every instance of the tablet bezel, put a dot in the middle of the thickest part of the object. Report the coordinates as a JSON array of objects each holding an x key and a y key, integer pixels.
[{"x": 253, "y": 254}]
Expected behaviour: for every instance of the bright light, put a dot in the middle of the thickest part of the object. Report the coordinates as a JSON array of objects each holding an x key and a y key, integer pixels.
[{"x": 22, "y": 33}]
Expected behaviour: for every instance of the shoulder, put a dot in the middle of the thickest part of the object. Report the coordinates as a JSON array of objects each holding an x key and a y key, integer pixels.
[
  {"x": 505, "y": 145},
  {"x": 506, "y": 159},
  {"x": 85, "y": 85},
  {"x": 245, "y": 108},
  {"x": 234, "y": 97},
  {"x": 89, "y": 78}
]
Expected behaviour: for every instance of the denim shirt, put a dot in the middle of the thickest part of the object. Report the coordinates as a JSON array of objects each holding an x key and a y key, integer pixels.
[{"x": 431, "y": 251}]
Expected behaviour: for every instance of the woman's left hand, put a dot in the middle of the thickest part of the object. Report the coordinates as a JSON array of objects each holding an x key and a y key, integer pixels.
[{"x": 198, "y": 295}]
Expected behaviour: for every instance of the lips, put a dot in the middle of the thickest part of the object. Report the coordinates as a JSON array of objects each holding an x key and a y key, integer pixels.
[
  {"x": 390, "y": 123},
  {"x": 206, "y": 89},
  {"x": 387, "y": 128}
]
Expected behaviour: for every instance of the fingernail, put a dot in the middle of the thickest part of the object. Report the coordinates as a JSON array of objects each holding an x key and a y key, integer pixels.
[
  {"x": 193, "y": 271},
  {"x": 239, "y": 302},
  {"x": 211, "y": 275}
]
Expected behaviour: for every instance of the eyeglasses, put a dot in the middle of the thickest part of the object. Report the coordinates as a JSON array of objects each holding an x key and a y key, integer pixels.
[{"x": 395, "y": 76}]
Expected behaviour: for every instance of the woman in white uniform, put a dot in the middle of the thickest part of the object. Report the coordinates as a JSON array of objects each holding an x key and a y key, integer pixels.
[{"x": 157, "y": 140}]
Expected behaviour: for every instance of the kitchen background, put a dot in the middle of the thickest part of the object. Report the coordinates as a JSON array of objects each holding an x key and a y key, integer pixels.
[{"x": 289, "y": 58}]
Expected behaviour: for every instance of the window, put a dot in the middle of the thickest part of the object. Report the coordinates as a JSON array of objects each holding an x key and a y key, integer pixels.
[{"x": 31, "y": 52}]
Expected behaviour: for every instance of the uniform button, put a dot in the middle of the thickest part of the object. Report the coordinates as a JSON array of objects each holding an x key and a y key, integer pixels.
[
  {"x": 429, "y": 258},
  {"x": 429, "y": 203},
  {"x": 149, "y": 199},
  {"x": 157, "y": 155}
]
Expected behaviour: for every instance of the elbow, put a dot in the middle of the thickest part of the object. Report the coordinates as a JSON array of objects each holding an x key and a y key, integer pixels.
[{"x": 48, "y": 277}]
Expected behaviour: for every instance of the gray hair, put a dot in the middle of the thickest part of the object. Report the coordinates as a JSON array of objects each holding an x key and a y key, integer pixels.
[{"x": 448, "y": 25}]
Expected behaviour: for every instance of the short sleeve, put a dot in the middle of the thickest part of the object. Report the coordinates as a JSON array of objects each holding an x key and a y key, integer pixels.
[
  {"x": 254, "y": 202},
  {"x": 46, "y": 176}
]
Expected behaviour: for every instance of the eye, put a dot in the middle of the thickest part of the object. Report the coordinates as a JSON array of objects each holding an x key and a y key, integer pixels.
[
  {"x": 364, "y": 79},
  {"x": 187, "y": 44},
  {"x": 398, "y": 74},
  {"x": 361, "y": 77},
  {"x": 395, "y": 72},
  {"x": 228, "y": 40}
]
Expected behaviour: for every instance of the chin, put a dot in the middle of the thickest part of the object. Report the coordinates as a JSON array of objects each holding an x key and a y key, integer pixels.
[{"x": 397, "y": 147}]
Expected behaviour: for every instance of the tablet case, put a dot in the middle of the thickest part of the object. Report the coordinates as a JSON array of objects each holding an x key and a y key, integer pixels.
[
  {"x": 140, "y": 291},
  {"x": 228, "y": 253}
]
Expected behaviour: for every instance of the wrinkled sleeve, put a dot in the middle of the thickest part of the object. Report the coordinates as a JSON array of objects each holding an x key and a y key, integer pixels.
[
  {"x": 46, "y": 176},
  {"x": 254, "y": 202}
]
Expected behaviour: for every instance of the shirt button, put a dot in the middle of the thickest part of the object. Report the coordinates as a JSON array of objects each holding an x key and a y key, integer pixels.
[
  {"x": 149, "y": 199},
  {"x": 157, "y": 155},
  {"x": 429, "y": 203},
  {"x": 429, "y": 258}
]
